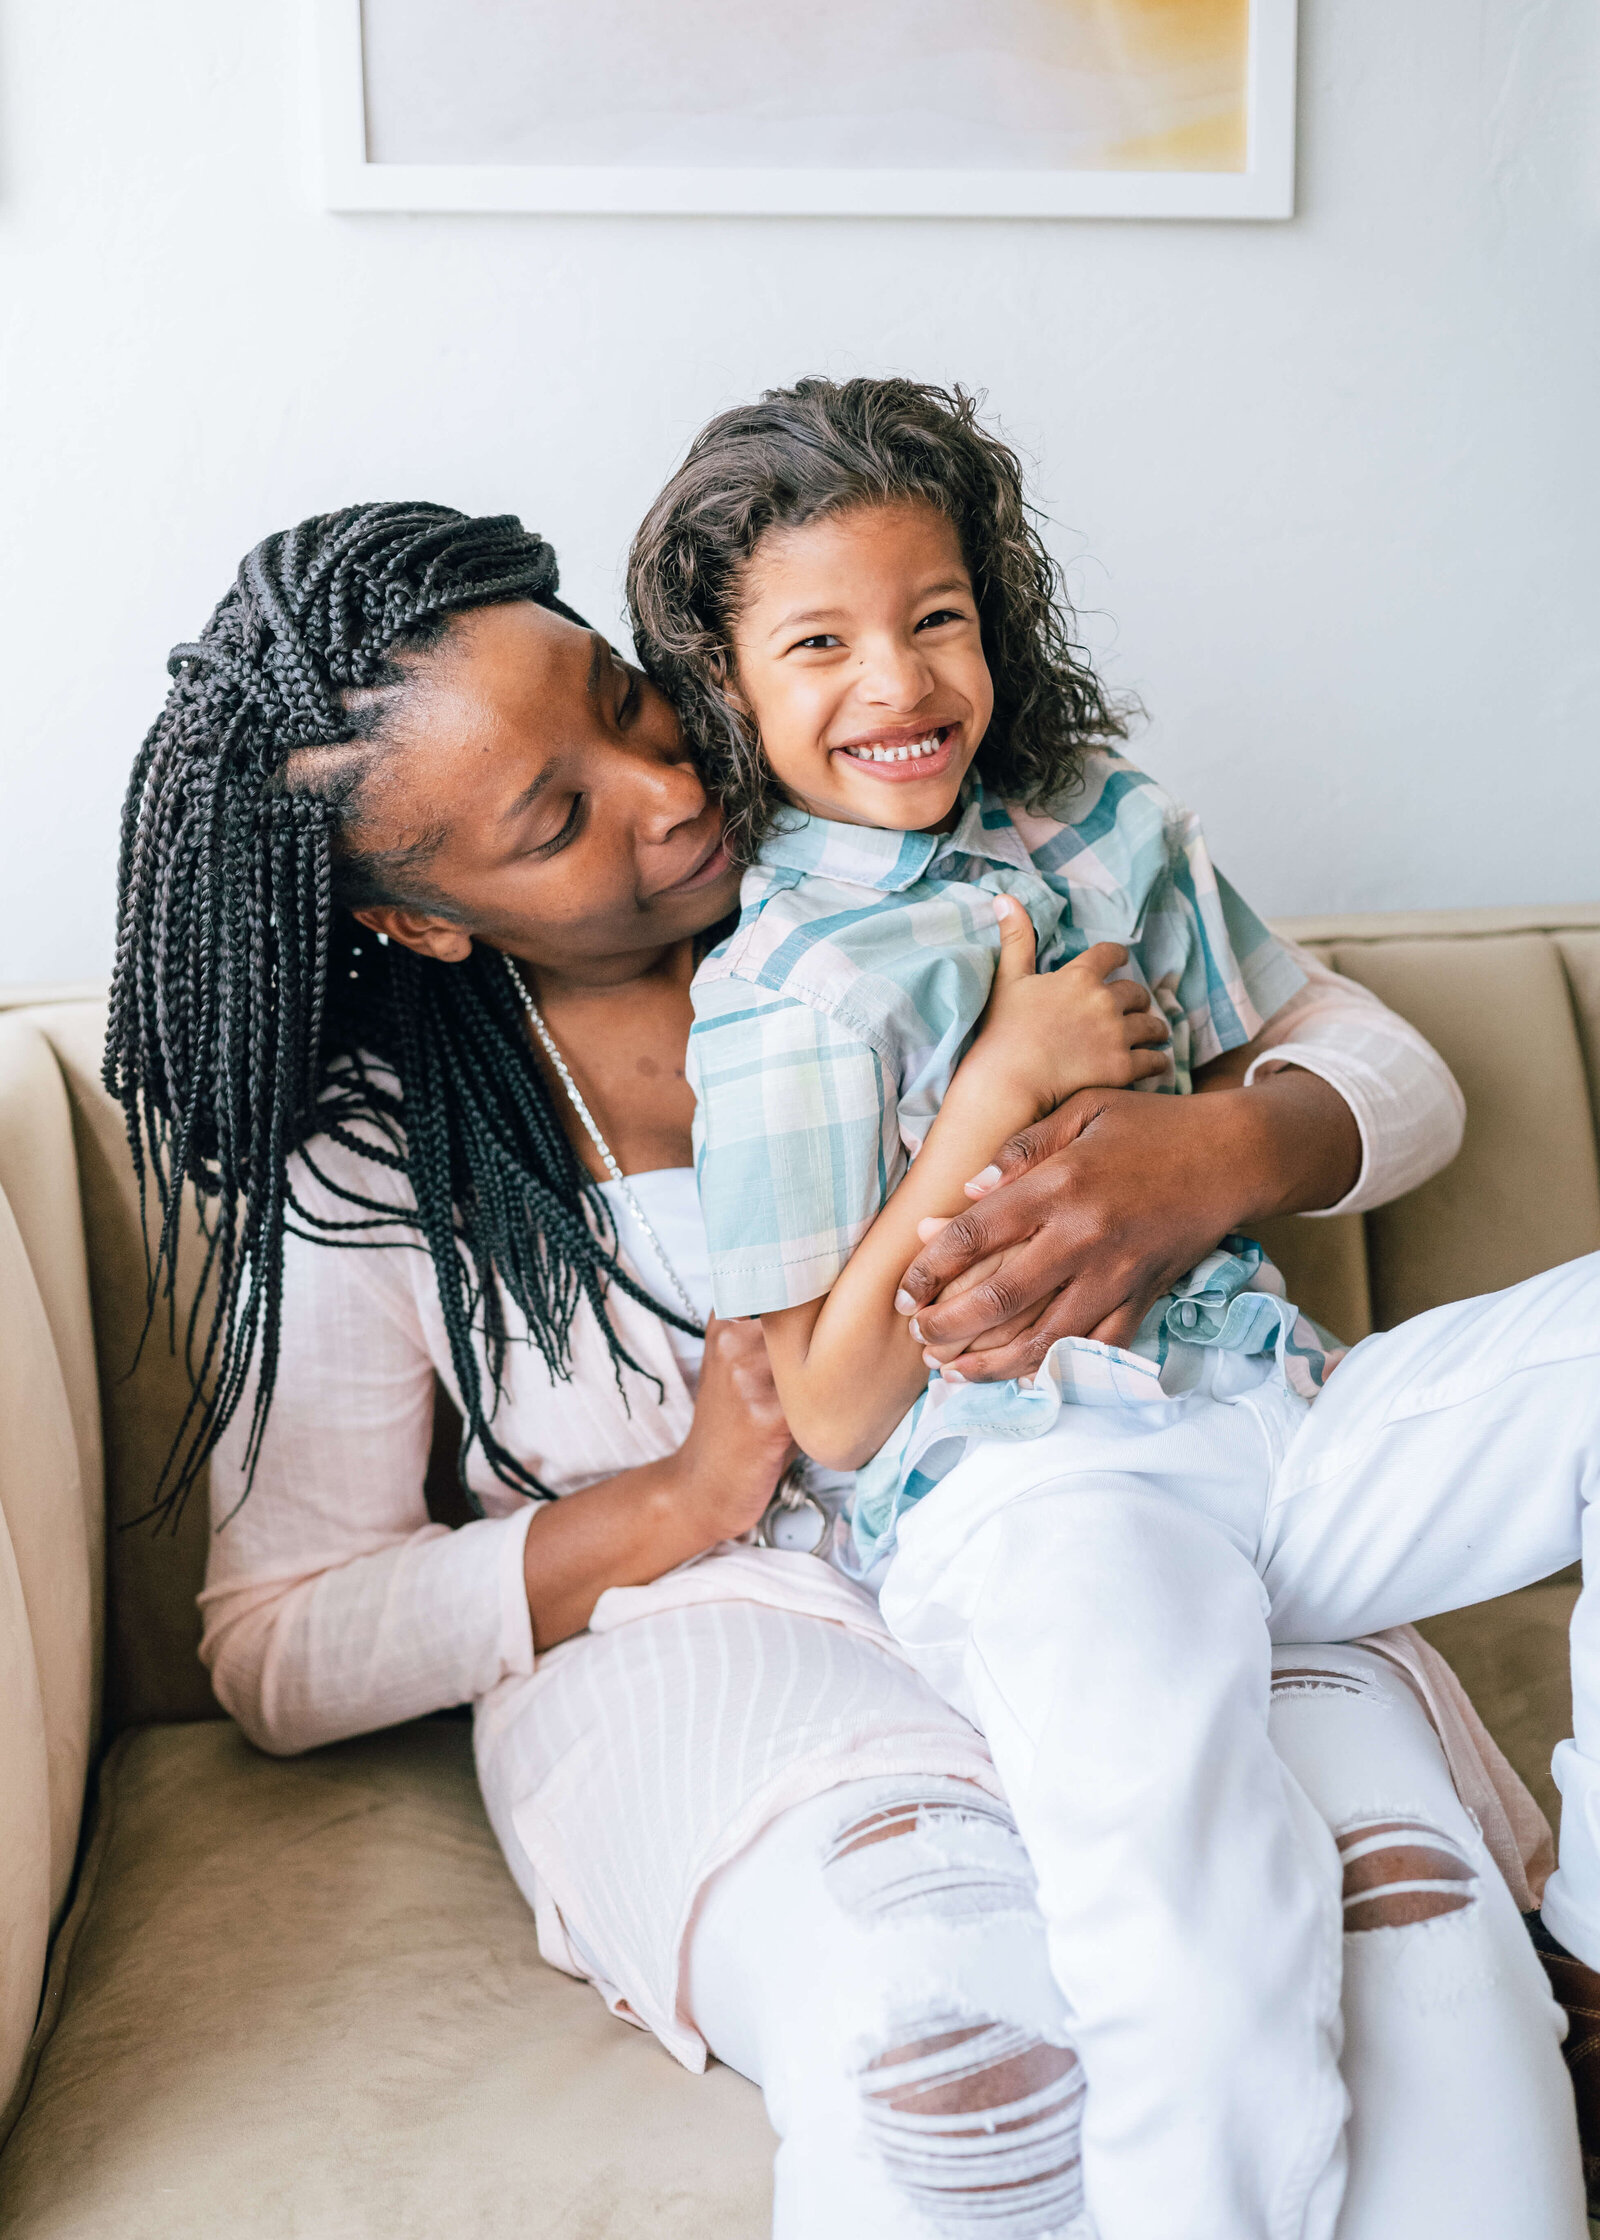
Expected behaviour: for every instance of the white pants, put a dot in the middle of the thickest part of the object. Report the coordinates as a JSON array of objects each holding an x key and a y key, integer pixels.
[
  {"x": 1100, "y": 1601},
  {"x": 875, "y": 1960}
]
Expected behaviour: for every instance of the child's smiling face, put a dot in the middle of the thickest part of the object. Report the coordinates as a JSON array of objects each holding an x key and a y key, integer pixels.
[{"x": 859, "y": 655}]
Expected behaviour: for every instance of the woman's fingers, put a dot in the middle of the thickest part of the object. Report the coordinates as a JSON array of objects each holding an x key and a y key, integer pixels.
[
  {"x": 1016, "y": 1282},
  {"x": 1006, "y": 1217},
  {"x": 1079, "y": 1311}
]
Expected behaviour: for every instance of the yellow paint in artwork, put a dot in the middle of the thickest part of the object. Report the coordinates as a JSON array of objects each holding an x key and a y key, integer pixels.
[{"x": 1182, "y": 72}]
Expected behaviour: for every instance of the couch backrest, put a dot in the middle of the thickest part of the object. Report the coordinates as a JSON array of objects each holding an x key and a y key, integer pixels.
[
  {"x": 152, "y": 1577},
  {"x": 51, "y": 1523},
  {"x": 1511, "y": 999}
]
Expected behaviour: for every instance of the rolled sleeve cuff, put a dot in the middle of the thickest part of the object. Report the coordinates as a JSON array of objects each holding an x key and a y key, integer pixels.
[
  {"x": 758, "y": 1282},
  {"x": 516, "y": 1620},
  {"x": 1396, "y": 1156}
]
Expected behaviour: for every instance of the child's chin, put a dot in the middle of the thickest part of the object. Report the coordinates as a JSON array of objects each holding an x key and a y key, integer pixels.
[
  {"x": 906, "y": 805},
  {"x": 897, "y": 805}
]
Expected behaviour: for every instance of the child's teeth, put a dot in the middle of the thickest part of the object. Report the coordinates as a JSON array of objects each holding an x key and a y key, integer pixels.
[{"x": 912, "y": 753}]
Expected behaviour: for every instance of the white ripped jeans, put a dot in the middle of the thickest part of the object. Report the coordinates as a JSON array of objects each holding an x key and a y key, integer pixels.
[
  {"x": 1100, "y": 1600},
  {"x": 877, "y": 1963}
]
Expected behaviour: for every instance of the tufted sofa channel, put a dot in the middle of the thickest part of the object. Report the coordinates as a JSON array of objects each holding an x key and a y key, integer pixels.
[{"x": 302, "y": 1999}]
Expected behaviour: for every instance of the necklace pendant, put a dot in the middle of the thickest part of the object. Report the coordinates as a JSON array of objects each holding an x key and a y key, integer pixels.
[{"x": 796, "y": 1528}]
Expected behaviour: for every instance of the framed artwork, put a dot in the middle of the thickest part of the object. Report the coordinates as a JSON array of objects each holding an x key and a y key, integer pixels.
[{"x": 930, "y": 108}]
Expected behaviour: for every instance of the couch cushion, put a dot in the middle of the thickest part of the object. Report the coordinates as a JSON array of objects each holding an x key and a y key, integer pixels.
[
  {"x": 25, "y": 1846},
  {"x": 1511, "y": 1657},
  {"x": 304, "y": 1998},
  {"x": 1580, "y": 954},
  {"x": 1524, "y": 1194},
  {"x": 39, "y": 1174},
  {"x": 153, "y": 1670},
  {"x": 42, "y": 1507}
]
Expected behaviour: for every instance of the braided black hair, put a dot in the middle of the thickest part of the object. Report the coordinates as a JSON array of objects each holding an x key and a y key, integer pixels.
[{"x": 251, "y": 1013}]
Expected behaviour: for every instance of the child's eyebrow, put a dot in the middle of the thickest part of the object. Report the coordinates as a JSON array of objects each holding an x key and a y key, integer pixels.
[
  {"x": 805, "y": 614},
  {"x": 826, "y": 614}
]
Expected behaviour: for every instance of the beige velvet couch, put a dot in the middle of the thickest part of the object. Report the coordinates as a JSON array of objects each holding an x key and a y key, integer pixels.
[{"x": 247, "y": 1996}]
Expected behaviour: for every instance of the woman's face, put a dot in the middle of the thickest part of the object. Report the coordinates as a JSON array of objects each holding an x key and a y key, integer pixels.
[{"x": 531, "y": 790}]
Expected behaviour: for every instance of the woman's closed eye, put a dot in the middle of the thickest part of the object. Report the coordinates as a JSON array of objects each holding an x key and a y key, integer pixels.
[
  {"x": 629, "y": 698},
  {"x": 570, "y": 827}
]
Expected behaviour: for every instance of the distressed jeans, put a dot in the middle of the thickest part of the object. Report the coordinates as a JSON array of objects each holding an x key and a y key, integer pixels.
[
  {"x": 1102, "y": 1602},
  {"x": 877, "y": 1962}
]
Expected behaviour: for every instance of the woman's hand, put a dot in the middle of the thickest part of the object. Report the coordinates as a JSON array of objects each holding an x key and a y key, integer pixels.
[
  {"x": 738, "y": 1445},
  {"x": 1089, "y": 1215},
  {"x": 633, "y": 1528}
]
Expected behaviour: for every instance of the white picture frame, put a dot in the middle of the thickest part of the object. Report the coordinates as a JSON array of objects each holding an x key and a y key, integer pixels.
[{"x": 350, "y": 181}]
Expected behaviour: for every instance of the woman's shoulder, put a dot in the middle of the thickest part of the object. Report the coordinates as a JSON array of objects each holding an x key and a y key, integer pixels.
[{"x": 352, "y": 1169}]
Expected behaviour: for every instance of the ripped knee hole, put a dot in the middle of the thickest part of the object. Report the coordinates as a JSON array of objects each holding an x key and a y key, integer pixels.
[
  {"x": 947, "y": 1854},
  {"x": 1400, "y": 1872},
  {"x": 1316, "y": 1680},
  {"x": 977, "y": 2121}
]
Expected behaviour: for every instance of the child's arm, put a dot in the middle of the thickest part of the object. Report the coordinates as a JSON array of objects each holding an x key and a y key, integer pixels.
[{"x": 846, "y": 1365}]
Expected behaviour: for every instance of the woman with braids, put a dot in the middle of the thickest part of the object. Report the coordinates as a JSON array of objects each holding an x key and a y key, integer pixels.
[{"x": 415, "y": 875}]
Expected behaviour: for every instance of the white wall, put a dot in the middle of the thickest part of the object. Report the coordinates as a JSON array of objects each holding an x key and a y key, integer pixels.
[{"x": 1330, "y": 486}]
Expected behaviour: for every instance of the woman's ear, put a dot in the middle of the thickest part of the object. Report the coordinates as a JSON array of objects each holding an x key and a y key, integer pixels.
[{"x": 439, "y": 938}]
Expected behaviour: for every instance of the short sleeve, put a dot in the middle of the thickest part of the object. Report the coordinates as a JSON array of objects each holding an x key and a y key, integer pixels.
[
  {"x": 796, "y": 1145},
  {"x": 1216, "y": 969}
]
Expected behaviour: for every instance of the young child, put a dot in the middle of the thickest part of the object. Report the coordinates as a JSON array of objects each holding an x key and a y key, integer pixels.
[{"x": 843, "y": 592}]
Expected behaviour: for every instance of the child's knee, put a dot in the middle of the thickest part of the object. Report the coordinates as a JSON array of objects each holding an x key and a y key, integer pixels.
[{"x": 977, "y": 2121}]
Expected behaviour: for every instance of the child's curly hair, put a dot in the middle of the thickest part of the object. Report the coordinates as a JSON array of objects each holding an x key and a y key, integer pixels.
[{"x": 821, "y": 448}]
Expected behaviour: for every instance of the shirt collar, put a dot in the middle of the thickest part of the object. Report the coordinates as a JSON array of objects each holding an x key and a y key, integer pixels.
[{"x": 861, "y": 855}]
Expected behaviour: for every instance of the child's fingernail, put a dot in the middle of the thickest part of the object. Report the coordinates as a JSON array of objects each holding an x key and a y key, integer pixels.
[
  {"x": 985, "y": 1181},
  {"x": 951, "y": 1376},
  {"x": 915, "y": 1329},
  {"x": 1003, "y": 906},
  {"x": 903, "y": 1302}
]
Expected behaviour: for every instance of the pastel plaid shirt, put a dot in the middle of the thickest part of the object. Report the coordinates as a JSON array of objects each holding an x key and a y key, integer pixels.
[{"x": 828, "y": 1025}]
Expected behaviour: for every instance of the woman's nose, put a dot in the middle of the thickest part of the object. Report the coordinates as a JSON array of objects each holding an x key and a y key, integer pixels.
[{"x": 670, "y": 794}]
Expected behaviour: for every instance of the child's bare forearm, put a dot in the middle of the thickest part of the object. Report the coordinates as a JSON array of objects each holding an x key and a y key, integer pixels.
[{"x": 846, "y": 1365}]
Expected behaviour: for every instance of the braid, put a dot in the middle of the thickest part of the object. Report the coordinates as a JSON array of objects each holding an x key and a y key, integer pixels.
[{"x": 250, "y": 1014}]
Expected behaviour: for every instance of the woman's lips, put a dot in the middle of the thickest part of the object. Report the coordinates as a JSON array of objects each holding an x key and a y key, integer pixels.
[
  {"x": 902, "y": 765},
  {"x": 710, "y": 867}
]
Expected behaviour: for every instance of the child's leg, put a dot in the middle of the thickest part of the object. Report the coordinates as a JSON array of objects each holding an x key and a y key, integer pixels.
[
  {"x": 1461, "y": 2115},
  {"x": 1113, "y": 1648},
  {"x": 1450, "y": 1460}
]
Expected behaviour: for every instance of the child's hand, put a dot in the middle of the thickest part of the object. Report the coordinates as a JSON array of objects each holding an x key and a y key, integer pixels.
[{"x": 1045, "y": 1035}]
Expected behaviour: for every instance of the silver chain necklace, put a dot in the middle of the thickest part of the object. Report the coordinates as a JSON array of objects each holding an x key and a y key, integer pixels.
[
  {"x": 563, "y": 1075},
  {"x": 792, "y": 1511}
]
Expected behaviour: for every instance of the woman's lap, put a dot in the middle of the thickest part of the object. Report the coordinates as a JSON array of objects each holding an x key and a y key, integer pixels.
[
  {"x": 637, "y": 1761},
  {"x": 768, "y": 1817}
]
